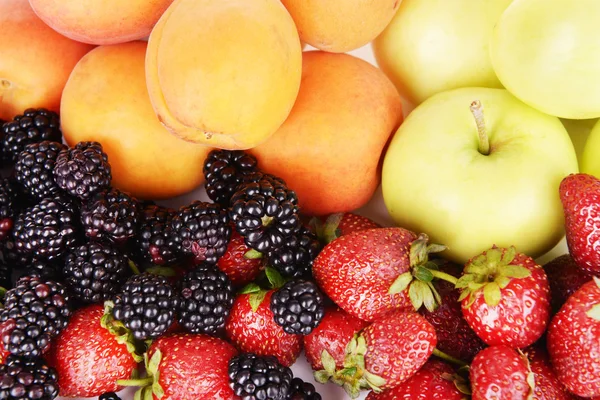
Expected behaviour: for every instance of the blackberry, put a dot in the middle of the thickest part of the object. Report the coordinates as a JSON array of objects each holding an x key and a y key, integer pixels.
[
  {"x": 34, "y": 126},
  {"x": 109, "y": 396},
  {"x": 146, "y": 305},
  {"x": 265, "y": 212},
  {"x": 298, "y": 307},
  {"x": 152, "y": 242},
  {"x": 301, "y": 390},
  {"x": 47, "y": 230},
  {"x": 94, "y": 272},
  {"x": 223, "y": 170},
  {"x": 295, "y": 257},
  {"x": 9, "y": 206},
  {"x": 206, "y": 297},
  {"x": 36, "y": 311},
  {"x": 83, "y": 170},
  {"x": 202, "y": 230},
  {"x": 34, "y": 167},
  {"x": 110, "y": 214},
  {"x": 23, "y": 379},
  {"x": 40, "y": 269},
  {"x": 254, "y": 377}
]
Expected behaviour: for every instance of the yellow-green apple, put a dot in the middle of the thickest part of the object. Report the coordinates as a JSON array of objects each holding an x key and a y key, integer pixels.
[
  {"x": 436, "y": 45},
  {"x": 579, "y": 130},
  {"x": 590, "y": 159},
  {"x": 547, "y": 53},
  {"x": 476, "y": 167}
]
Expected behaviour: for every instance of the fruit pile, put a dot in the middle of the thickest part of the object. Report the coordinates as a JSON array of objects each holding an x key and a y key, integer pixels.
[{"x": 109, "y": 286}]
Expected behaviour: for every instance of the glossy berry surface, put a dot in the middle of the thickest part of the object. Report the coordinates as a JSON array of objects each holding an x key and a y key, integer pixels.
[
  {"x": 254, "y": 377},
  {"x": 298, "y": 307}
]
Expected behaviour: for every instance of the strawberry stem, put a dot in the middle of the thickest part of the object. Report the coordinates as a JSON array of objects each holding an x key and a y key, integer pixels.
[
  {"x": 133, "y": 267},
  {"x": 443, "y": 276},
  {"x": 136, "y": 382},
  {"x": 449, "y": 358}
]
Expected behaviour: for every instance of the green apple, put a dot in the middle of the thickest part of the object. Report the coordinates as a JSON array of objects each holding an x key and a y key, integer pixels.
[
  {"x": 579, "y": 130},
  {"x": 590, "y": 159},
  {"x": 476, "y": 167},
  {"x": 547, "y": 53},
  {"x": 436, "y": 45}
]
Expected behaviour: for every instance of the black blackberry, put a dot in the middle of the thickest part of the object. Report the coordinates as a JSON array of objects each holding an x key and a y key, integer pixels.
[
  {"x": 36, "y": 311},
  {"x": 152, "y": 241},
  {"x": 34, "y": 126},
  {"x": 110, "y": 214},
  {"x": 47, "y": 230},
  {"x": 254, "y": 377},
  {"x": 206, "y": 297},
  {"x": 11, "y": 256},
  {"x": 83, "y": 170},
  {"x": 265, "y": 212},
  {"x": 95, "y": 271},
  {"x": 295, "y": 257},
  {"x": 9, "y": 206},
  {"x": 44, "y": 270},
  {"x": 202, "y": 230},
  {"x": 109, "y": 396},
  {"x": 301, "y": 390},
  {"x": 34, "y": 169},
  {"x": 146, "y": 305},
  {"x": 24, "y": 379},
  {"x": 298, "y": 307},
  {"x": 223, "y": 170}
]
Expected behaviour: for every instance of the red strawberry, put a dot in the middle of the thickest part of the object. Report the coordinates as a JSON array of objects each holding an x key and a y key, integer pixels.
[
  {"x": 239, "y": 263},
  {"x": 547, "y": 385},
  {"x": 455, "y": 336},
  {"x": 341, "y": 224},
  {"x": 574, "y": 341},
  {"x": 6, "y": 325},
  {"x": 565, "y": 277},
  {"x": 187, "y": 366},
  {"x": 505, "y": 298},
  {"x": 252, "y": 329},
  {"x": 88, "y": 358},
  {"x": 333, "y": 334},
  {"x": 373, "y": 272},
  {"x": 580, "y": 196},
  {"x": 434, "y": 381},
  {"x": 501, "y": 373},
  {"x": 385, "y": 354}
]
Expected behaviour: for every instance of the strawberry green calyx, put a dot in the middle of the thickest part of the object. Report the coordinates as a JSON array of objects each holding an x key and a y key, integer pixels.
[
  {"x": 121, "y": 333},
  {"x": 258, "y": 294},
  {"x": 329, "y": 230},
  {"x": 530, "y": 376},
  {"x": 354, "y": 376},
  {"x": 460, "y": 383},
  {"x": 490, "y": 272},
  {"x": 419, "y": 280},
  {"x": 253, "y": 254},
  {"x": 148, "y": 386}
]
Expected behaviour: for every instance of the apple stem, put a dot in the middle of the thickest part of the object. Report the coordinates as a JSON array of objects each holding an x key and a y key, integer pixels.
[{"x": 484, "y": 141}]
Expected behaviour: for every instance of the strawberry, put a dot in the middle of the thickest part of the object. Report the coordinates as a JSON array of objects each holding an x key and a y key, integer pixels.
[
  {"x": 373, "y": 272},
  {"x": 252, "y": 329},
  {"x": 501, "y": 373},
  {"x": 455, "y": 336},
  {"x": 241, "y": 264},
  {"x": 573, "y": 341},
  {"x": 547, "y": 385},
  {"x": 385, "y": 354},
  {"x": 436, "y": 380},
  {"x": 565, "y": 277},
  {"x": 580, "y": 196},
  {"x": 6, "y": 325},
  {"x": 505, "y": 298},
  {"x": 332, "y": 335},
  {"x": 341, "y": 224},
  {"x": 186, "y": 366},
  {"x": 92, "y": 353}
]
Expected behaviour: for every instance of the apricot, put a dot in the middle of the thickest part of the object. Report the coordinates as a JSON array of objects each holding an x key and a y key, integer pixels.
[
  {"x": 328, "y": 150},
  {"x": 340, "y": 26},
  {"x": 224, "y": 73},
  {"x": 101, "y": 22},
  {"x": 106, "y": 100},
  {"x": 35, "y": 61}
]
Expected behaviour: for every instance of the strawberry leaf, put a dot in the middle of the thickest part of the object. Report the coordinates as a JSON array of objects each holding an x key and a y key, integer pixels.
[
  {"x": 351, "y": 390},
  {"x": 436, "y": 295},
  {"x": 361, "y": 345},
  {"x": 436, "y": 248},
  {"x": 274, "y": 277},
  {"x": 515, "y": 271},
  {"x": 256, "y": 299},
  {"x": 594, "y": 312},
  {"x": 492, "y": 294},
  {"x": 502, "y": 281},
  {"x": 401, "y": 283},
  {"x": 428, "y": 298},
  {"x": 416, "y": 294},
  {"x": 463, "y": 295},
  {"x": 423, "y": 274},
  {"x": 351, "y": 371},
  {"x": 148, "y": 393},
  {"x": 418, "y": 250},
  {"x": 250, "y": 288},
  {"x": 322, "y": 376},
  {"x": 509, "y": 255},
  {"x": 328, "y": 362},
  {"x": 463, "y": 281},
  {"x": 375, "y": 381},
  {"x": 154, "y": 362},
  {"x": 252, "y": 254},
  {"x": 493, "y": 256},
  {"x": 157, "y": 389},
  {"x": 330, "y": 230}
]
